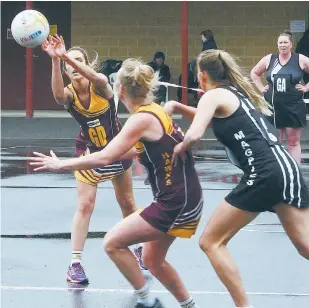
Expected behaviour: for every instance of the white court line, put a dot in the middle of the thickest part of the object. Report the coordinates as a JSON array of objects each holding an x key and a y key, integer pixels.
[
  {"x": 262, "y": 231},
  {"x": 127, "y": 291}
]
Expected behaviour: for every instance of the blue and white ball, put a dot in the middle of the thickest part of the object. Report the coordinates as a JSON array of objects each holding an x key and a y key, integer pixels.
[{"x": 30, "y": 28}]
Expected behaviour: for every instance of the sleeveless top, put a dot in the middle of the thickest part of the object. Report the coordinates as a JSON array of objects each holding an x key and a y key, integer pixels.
[
  {"x": 248, "y": 138},
  {"x": 99, "y": 122},
  {"x": 282, "y": 80},
  {"x": 170, "y": 184}
]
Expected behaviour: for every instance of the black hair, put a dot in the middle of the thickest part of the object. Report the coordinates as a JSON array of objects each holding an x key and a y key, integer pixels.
[
  {"x": 159, "y": 54},
  {"x": 208, "y": 34}
]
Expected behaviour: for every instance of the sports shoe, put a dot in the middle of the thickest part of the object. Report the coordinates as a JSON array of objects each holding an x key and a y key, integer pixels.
[
  {"x": 76, "y": 273},
  {"x": 157, "y": 304},
  {"x": 138, "y": 252}
]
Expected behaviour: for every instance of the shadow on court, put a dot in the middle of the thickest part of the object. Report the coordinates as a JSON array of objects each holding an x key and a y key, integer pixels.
[{"x": 36, "y": 219}]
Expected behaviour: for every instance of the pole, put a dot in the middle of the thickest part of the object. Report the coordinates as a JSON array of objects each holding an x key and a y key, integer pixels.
[
  {"x": 184, "y": 49},
  {"x": 29, "y": 72}
]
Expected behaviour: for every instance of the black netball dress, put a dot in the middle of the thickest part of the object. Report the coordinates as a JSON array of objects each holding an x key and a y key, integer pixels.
[
  {"x": 271, "y": 175},
  {"x": 289, "y": 108}
]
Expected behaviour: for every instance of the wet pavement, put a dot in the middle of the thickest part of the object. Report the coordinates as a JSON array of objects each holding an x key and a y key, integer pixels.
[{"x": 35, "y": 225}]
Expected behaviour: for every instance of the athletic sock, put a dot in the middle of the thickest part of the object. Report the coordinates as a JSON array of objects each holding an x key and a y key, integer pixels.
[
  {"x": 76, "y": 256},
  {"x": 189, "y": 303},
  {"x": 144, "y": 296}
]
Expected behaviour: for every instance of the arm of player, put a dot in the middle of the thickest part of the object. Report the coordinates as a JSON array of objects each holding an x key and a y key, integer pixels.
[
  {"x": 206, "y": 109},
  {"x": 61, "y": 94},
  {"x": 100, "y": 81},
  {"x": 257, "y": 72},
  {"x": 304, "y": 64},
  {"x": 130, "y": 154},
  {"x": 120, "y": 145},
  {"x": 187, "y": 111}
]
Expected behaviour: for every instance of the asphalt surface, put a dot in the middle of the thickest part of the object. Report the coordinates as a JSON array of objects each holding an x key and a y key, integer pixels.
[{"x": 36, "y": 219}]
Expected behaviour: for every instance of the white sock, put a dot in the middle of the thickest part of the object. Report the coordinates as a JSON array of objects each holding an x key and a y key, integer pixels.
[
  {"x": 144, "y": 297},
  {"x": 189, "y": 303},
  {"x": 76, "y": 256}
]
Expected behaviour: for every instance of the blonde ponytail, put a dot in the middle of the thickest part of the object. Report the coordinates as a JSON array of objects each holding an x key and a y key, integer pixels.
[
  {"x": 237, "y": 76},
  {"x": 139, "y": 79},
  {"x": 221, "y": 66}
]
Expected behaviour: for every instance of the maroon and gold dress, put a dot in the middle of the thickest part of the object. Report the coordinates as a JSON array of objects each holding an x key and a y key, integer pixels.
[{"x": 178, "y": 199}]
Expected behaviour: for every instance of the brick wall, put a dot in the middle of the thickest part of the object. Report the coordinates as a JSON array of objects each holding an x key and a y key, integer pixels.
[{"x": 119, "y": 30}]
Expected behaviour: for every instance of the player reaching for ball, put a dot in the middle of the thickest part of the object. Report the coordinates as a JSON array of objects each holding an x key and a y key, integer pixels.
[
  {"x": 177, "y": 204},
  {"x": 89, "y": 99}
]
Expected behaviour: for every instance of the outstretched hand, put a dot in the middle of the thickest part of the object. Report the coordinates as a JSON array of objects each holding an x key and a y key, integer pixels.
[
  {"x": 44, "y": 162},
  {"x": 60, "y": 46},
  {"x": 54, "y": 46},
  {"x": 49, "y": 47}
]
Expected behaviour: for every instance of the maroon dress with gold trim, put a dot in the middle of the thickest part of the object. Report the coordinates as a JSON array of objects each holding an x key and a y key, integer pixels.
[
  {"x": 99, "y": 125},
  {"x": 178, "y": 199}
]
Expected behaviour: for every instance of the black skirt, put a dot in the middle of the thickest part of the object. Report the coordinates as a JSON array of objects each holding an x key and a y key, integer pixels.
[{"x": 289, "y": 115}]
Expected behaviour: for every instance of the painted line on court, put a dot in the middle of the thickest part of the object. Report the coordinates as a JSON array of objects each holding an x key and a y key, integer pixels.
[
  {"x": 92, "y": 234},
  {"x": 73, "y": 139},
  {"x": 262, "y": 231},
  {"x": 91, "y": 290},
  {"x": 100, "y": 188}
]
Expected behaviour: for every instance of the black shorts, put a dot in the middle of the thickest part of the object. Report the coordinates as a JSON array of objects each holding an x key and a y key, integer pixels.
[
  {"x": 289, "y": 115},
  {"x": 270, "y": 189}
]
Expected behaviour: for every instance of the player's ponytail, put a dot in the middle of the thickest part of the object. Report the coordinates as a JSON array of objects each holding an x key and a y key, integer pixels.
[
  {"x": 139, "y": 79},
  {"x": 222, "y": 67}
]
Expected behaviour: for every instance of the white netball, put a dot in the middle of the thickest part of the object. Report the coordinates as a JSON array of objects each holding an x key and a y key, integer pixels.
[{"x": 30, "y": 28}]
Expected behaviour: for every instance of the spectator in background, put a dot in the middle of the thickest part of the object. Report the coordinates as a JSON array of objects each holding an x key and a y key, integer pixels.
[
  {"x": 110, "y": 66},
  {"x": 192, "y": 83},
  {"x": 208, "y": 40},
  {"x": 303, "y": 48},
  {"x": 164, "y": 75}
]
